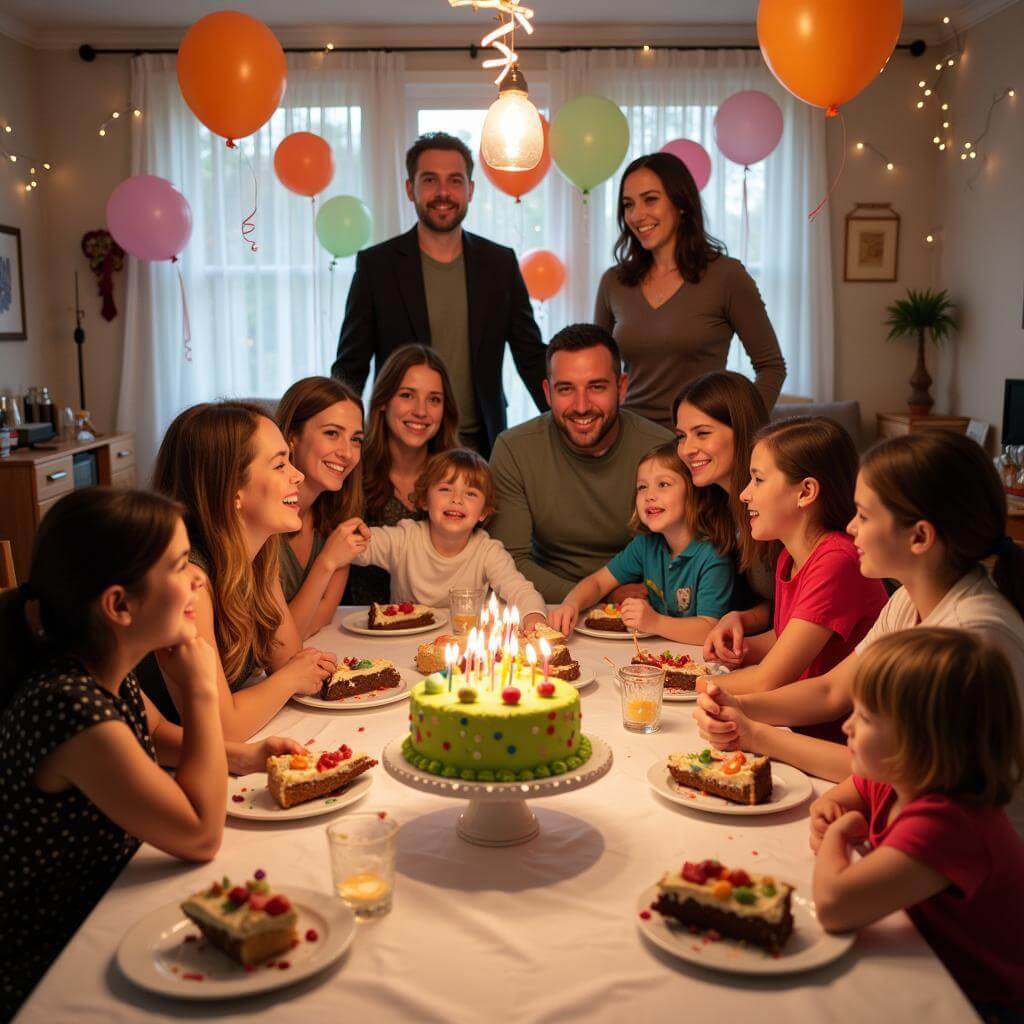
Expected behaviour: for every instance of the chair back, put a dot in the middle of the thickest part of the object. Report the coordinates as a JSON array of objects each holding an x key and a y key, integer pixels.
[{"x": 8, "y": 577}]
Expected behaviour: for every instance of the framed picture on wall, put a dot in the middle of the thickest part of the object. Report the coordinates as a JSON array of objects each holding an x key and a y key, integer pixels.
[
  {"x": 12, "y": 286},
  {"x": 872, "y": 243}
]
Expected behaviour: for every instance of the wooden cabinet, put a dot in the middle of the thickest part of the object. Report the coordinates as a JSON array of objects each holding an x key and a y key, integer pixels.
[
  {"x": 32, "y": 480},
  {"x": 893, "y": 424}
]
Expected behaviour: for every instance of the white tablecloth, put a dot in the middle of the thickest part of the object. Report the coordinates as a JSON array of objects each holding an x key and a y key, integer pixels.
[{"x": 543, "y": 932}]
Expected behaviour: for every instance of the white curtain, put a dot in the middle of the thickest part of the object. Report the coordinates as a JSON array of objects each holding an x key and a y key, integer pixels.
[
  {"x": 259, "y": 320},
  {"x": 672, "y": 94}
]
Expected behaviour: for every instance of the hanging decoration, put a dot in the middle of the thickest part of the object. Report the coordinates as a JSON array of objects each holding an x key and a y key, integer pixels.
[
  {"x": 589, "y": 140},
  {"x": 518, "y": 183},
  {"x": 543, "y": 272},
  {"x": 343, "y": 226},
  {"x": 694, "y": 156},
  {"x": 105, "y": 258},
  {"x": 116, "y": 116},
  {"x": 24, "y": 163}
]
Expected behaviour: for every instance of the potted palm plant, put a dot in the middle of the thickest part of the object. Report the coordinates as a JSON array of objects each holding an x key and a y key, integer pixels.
[{"x": 919, "y": 314}]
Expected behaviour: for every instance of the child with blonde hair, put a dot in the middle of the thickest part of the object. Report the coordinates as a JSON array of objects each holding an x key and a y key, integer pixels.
[
  {"x": 689, "y": 584},
  {"x": 936, "y": 751}
]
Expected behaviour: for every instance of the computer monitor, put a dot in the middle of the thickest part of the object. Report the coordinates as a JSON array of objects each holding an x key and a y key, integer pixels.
[{"x": 1013, "y": 412}]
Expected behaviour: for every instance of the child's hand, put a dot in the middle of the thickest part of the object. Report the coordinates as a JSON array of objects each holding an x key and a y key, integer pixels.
[
  {"x": 725, "y": 642},
  {"x": 189, "y": 669},
  {"x": 824, "y": 811},
  {"x": 563, "y": 618},
  {"x": 851, "y": 828},
  {"x": 638, "y": 615},
  {"x": 720, "y": 720},
  {"x": 533, "y": 619},
  {"x": 347, "y": 540},
  {"x": 245, "y": 758}
]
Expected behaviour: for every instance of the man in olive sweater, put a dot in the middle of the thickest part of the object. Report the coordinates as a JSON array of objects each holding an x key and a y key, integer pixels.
[{"x": 566, "y": 480}]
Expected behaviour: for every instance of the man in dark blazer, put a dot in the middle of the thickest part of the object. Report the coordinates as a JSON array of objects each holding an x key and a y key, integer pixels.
[{"x": 441, "y": 286}]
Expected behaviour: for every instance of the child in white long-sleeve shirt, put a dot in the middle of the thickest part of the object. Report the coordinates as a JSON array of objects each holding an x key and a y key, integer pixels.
[{"x": 448, "y": 549}]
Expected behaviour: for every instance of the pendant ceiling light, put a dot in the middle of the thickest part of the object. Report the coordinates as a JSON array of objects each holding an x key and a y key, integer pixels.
[{"x": 513, "y": 138}]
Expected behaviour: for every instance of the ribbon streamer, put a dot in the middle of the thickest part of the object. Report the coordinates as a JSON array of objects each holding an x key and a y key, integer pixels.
[
  {"x": 745, "y": 221},
  {"x": 832, "y": 112},
  {"x": 516, "y": 14},
  {"x": 186, "y": 325},
  {"x": 248, "y": 223}
]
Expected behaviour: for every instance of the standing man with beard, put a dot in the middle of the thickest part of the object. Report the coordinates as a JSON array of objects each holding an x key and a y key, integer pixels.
[
  {"x": 566, "y": 480},
  {"x": 438, "y": 285}
]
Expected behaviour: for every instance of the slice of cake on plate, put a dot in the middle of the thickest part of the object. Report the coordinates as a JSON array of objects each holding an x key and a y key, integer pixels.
[
  {"x": 295, "y": 778},
  {"x": 605, "y": 617},
  {"x": 430, "y": 656},
  {"x": 360, "y": 675},
  {"x": 247, "y": 922},
  {"x": 735, "y": 903},
  {"x": 399, "y": 616},
  {"x": 681, "y": 671},
  {"x": 732, "y": 775}
]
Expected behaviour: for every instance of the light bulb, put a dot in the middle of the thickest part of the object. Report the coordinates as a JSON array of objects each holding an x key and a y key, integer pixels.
[
  {"x": 945, "y": 106},
  {"x": 116, "y": 114},
  {"x": 963, "y": 156},
  {"x": 34, "y": 183},
  {"x": 945, "y": 124},
  {"x": 137, "y": 112},
  {"x": 920, "y": 104},
  {"x": 921, "y": 84},
  {"x": 973, "y": 154},
  {"x": 945, "y": 20},
  {"x": 1010, "y": 92},
  {"x": 46, "y": 167},
  {"x": 927, "y": 92},
  {"x": 942, "y": 145},
  {"x": 860, "y": 145},
  {"x": 950, "y": 62},
  {"x": 14, "y": 159},
  {"x": 889, "y": 166},
  {"x": 103, "y": 131},
  {"x": 938, "y": 67},
  {"x": 31, "y": 170},
  {"x": 967, "y": 145},
  {"x": 512, "y": 137},
  {"x": 929, "y": 239},
  {"x": 647, "y": 48},
  {"x": 330, "y": 46},
  {"x": 8, "y": 129},
  {"x": 936, "y": 139}
]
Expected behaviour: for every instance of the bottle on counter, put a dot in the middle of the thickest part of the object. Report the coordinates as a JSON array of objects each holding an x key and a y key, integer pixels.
[
  {"x": 48, "y": 412},
  {"x": 30, "y": 403}
]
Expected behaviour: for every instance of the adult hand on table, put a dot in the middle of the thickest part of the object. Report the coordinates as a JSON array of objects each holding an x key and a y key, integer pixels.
[
  {"x": 245, "y": 758},
  {"x": 721, "y": 721},
  {"x": 725, "y": 642},
  {"x": 306, "y": 670},
  {"x": 346, "y": 540}
]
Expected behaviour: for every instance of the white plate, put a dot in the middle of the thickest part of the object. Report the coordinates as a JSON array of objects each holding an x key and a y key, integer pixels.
[
  {"x": 155, "y": 956},
  {"x": 361, "y": 701},
  {"x": 607, "y": 634},
  {"x": 258, "y": 805},
  {"x": 587, "y": 676},
  {"x": 790, "y": 788},
  {"x": 809, "y": 947},
  {"x": 690, "y": 696},
  {"x": 356, "y": 623}
]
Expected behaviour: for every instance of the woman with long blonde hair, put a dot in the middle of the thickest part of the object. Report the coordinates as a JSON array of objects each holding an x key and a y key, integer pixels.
[
  {"x": 322, "y": 421},
  {"x": 412, "y": 416},
  {"x": 227, "y": 464}
]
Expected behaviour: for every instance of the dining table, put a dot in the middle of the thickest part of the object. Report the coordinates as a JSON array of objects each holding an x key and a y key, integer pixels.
[{"x": 544, "y": 932}]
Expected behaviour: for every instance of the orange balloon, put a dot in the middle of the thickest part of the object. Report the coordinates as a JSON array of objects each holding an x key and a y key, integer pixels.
[
  {"x": 826, "y": 51},
  {"x": 518, "y": 183},
  {"x": 232, "y": 73},
  {"x": 304, "y": 163},
  {"x": 543, "y": 272}
]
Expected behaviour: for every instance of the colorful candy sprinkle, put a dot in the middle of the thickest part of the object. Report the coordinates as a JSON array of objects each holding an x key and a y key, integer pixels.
[{"x": 645, "y": 915}]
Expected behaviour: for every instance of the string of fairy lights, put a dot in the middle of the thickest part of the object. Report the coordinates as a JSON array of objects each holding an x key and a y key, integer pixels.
[{"x": 930, "y": 101}]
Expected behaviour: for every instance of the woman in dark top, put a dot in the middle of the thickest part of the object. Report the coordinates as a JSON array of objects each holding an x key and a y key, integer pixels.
[
  {"x": 227, "y": 464},
  {"x": 110, "y": 581},
  {"x": 674, "y": 299},
  {"x": 412, "y": 415}
]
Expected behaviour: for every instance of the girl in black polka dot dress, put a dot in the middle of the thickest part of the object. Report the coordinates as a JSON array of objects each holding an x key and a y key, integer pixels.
[{"x": 110, "y": 582}]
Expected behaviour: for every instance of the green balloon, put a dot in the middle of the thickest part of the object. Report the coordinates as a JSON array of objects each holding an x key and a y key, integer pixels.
[
  {"x": 343, "y": 225},
  {"x": 589, "y": 138}
]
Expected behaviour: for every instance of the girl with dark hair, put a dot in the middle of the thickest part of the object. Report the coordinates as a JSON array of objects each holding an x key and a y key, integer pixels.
[
  {"x": 413, "y": 415},
  {"x": 800, "y": 493},
  {"x": 322, "y": 421},
  {"x": 910, "y": 525},
  {"x": 227, "y": 464},
  {"x": 674, "y": 299},
  {"x": 110, "y": 581}
]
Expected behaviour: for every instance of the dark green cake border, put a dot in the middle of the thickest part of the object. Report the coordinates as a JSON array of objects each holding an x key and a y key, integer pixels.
[{"x": 541, "y": 771}]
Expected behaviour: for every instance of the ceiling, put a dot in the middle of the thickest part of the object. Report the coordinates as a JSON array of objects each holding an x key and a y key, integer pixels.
[{"x": 46, "y": 21}]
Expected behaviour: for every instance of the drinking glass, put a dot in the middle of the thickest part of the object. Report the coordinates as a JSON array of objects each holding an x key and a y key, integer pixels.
[
  {"x": 362, "y": 848},
  {"x": 641, "y": 688},
  {"x": 465, "y": 605}
]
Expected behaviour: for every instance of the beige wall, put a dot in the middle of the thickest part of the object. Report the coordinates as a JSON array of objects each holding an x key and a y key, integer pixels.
[
  {"x": 23, "y": 362},
  {"x": 983, "y": 225}
]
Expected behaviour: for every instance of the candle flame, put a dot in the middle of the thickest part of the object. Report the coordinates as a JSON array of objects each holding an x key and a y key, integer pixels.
[
  {"x": 531, "y": 655},
  {"x": 545, "y": 647}
]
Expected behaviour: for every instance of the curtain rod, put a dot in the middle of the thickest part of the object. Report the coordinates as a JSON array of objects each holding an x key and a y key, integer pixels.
[{"x": 90, "y": 53}]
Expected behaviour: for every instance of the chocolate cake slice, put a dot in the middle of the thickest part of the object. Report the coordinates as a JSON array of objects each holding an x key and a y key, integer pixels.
[
  {"x": 605, "y": 617},
  {"x": 399, "y": 616},
  {"x": 735, "y": 776},
  {"x": 296, "y": 778},
  {"x": 354, "y": 676}
]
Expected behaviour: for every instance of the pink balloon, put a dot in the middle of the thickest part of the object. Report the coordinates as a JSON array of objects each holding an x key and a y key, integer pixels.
[
  {"x": 149, "y": 217},
  {"x": 695, "y": 156},
  {"x": 748, "y": 126}
]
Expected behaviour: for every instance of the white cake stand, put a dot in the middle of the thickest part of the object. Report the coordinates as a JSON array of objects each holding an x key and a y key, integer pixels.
[{"x": 497, "y": 814}]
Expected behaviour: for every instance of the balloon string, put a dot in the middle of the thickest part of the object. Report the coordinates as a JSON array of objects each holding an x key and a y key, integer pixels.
[
  {"x": 248, "y": 224},
  {"x": 586, "y": 218},
  {"x": 832, "y": 112},
  {"x": 186, "y": 326},
  {"x": 745, "y": 222},
  {"x": 316, "y": 284},
  {"x": 330, "y": 300}
]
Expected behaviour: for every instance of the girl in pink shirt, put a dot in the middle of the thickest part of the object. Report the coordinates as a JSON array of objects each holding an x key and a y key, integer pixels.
[
  {"x": 802, "y": 476},
  {"x": 935, "y": 740}
]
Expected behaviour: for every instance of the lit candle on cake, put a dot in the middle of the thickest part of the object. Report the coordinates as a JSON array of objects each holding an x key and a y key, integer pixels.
[
  {"x": 492, "y": 651},
  {"x": 531, "y": 657},
  {"x": 451, "y": 655},
  {"x": 545, "y": 650},
  {"x": 470, "y": 654}
]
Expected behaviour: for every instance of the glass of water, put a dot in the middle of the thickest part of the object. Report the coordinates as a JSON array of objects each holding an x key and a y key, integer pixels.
[
  {"x": 641, "y": 688},
  {"x": 362, "y": 848},
  {"x": 465, "y": 605}
]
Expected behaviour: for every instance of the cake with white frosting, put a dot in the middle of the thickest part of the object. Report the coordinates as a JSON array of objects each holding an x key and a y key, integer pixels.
[
  {"x": 295, "y": 778},
  {"x": 359, "y": 675},
  {"x": 402, "y": 615},
  {"x": 605, "y": 617},
  {"x": 733, "y": 775}
]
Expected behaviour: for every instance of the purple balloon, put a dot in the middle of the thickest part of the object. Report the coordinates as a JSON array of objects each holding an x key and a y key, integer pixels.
[
  {"x": 748, "y": 126},
  {"x": 149, "y": 217},
  {"x": 695, "y": 156}
]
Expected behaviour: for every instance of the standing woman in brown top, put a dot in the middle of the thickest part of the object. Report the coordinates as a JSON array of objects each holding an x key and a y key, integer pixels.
[{"x": 673, "y": 300}]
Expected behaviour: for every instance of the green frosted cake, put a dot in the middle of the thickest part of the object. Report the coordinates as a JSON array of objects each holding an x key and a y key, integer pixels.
[{"x": 515, "y": 734}]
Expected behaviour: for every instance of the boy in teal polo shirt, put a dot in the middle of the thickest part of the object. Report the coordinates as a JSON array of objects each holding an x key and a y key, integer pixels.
[{"x": 689, "y": 584}]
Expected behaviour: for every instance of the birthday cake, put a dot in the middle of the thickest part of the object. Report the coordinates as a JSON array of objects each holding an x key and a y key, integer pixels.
[
  {"x": 605, "y": 617},
  {"x": 732, "y": 775},
  {"x": 515, "y": 732},
  {"x": 399, "y": 616},
  {"x": 295, "y": 778},
  {"x": 735, "y": 903},
  {"x": 247, "y": 922},
  {"x": 359, "y": 675}
]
